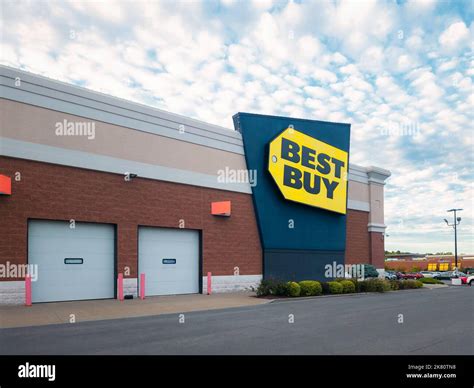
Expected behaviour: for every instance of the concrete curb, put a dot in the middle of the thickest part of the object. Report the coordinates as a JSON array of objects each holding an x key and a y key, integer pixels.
[
  {"x": 434, "y": 286},
  {"x": 338, "y": 295}
]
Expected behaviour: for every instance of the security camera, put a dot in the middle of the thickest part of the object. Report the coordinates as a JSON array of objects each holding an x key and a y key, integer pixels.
[
  {"x": 129, "y": 176},
  {"x": 445, "y": 220},
  {"x": 459, "y": 219}
]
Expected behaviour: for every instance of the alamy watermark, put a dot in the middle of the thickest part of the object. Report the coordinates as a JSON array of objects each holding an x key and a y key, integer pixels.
[
  {"x": 10, "y": 270},
  {"x": 230, "y": 175},
  {"x": 410, "y": 128},
  {"x": 335, "y": 270},
  {"x": 75, "y": 128},
  {"x": 28, "y": 370}
]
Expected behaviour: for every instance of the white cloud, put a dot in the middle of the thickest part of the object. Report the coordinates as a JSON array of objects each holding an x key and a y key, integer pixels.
[
  {"x": 109, "y": 10},
  {"x": 317, "y": 92},
  {"x": 336, "y": 61},
  {"x": 309, "y": 47},
  {"x": 262, "y": 5},
  {"x": 455, "y": 37},
  {"x": 228, "y": 3},
  {"x": 448, "y": 65},
  {"x": 323, "y": 75}
]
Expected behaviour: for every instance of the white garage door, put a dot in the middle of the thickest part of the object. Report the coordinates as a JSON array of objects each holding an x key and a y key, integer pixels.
[
  {"x": 169, "y": 258},
  {"x": 73, "y": 264}
]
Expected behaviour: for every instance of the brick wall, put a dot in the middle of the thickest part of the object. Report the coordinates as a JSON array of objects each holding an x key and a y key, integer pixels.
[
  {"x": 357, "y": 237},
  {"x": 48, "y": 191},
  {"x": 377, "y": 249},
  {"x": 406, "y": 265},
  {"x": 363, "y": 246}
]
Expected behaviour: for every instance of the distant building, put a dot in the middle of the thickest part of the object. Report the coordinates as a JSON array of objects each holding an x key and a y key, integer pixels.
[{"x": 409, "y": 261}]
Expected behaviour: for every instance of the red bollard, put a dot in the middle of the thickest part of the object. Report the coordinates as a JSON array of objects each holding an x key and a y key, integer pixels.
[
  {"x": 142, "y": 286},
  {"x": 120, "y": 286},
  {"x": 209, "y": 283},
  {"x": 27, "y": 290}
]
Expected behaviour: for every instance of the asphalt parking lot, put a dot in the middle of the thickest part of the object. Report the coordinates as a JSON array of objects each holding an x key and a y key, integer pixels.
[{"x": 426, "y": 322}]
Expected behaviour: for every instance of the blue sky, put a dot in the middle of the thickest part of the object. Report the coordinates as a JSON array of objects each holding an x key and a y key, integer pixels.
[{"x": 400, "y": 72}]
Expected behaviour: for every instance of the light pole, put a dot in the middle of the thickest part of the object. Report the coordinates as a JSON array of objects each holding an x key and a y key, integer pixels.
[{"x": 457, "y": 221}]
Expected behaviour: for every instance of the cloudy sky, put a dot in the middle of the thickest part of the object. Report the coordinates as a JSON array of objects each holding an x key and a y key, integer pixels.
[{"x": 400, "y": 72}]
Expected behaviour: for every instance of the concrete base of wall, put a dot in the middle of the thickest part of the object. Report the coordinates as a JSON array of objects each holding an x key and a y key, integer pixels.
[
  {"x": 130, "y": 287},
  {"x": 12, "y": 292},
  {"x": 231, "y": 283}
]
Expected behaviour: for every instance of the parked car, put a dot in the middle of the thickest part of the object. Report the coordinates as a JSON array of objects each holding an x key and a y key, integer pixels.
[
  {"x": 370, "y": 271},
  {"x": 469, "y": 280},
  {"x": 460, "y": 275},
  {"x": 390, "y": 275},
  {"x": 429, "y": 274},
  {"x": 445, "y": 275},
  {"x": 469, "y": 271},
  {"x": 465, "y": 278}
]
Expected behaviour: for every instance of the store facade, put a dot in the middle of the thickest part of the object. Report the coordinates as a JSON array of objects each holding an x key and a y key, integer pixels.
[{"x": 93, "y": 186}]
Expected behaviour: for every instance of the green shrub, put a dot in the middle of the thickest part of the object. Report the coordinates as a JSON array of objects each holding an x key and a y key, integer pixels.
[
  {"x": 356, "y": 283},
  {"x": 415, "y": 269},
  {"x": 430, "y": 281},
  {"x": 325, "y": 287},
  {"x": 281, "y": 288},
  {"x": 369, "y": 285},
  {"x": 375, "y": 285},
  {"x": 272, "y": 287},
  {"x": 394, "y": 284},
  {"x": 310, "y": 288},
  {"x": 410, "y": 284},
  {"x": 348, "y": 287},
  {"x": 335, "y": 287},
  {"x": 386, "y": 285},
  {"x": 294, "y": 289}
]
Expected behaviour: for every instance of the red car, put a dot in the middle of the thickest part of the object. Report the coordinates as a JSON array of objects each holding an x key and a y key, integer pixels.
[{"x": 463, "y": 277}]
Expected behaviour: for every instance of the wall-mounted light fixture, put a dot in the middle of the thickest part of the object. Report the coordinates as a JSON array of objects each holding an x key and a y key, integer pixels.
[{"x": 222, "y": 209}]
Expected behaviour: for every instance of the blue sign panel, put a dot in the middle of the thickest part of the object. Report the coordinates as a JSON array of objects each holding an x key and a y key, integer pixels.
[{"x": 298, "y": 240}]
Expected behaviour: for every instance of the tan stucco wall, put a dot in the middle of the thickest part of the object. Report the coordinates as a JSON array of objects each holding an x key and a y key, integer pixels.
[
  {"x": 37, "y": 125},
  {"x": 376, "y": 203},
  {"x": 33, "y": 124},
  {"x": 358, "y": 191}
]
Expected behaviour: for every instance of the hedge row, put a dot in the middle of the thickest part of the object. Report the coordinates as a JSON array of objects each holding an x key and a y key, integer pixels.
[
  {"x": 274, "y": 287},
  {"x": 430, "y": 281}
]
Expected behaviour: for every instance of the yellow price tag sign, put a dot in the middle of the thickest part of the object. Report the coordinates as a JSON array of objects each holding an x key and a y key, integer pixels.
[{"x": 309, "y": 171}]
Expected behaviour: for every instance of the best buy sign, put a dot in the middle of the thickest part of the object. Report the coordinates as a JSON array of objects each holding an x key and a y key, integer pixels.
[{"x": 309, "y": 171}]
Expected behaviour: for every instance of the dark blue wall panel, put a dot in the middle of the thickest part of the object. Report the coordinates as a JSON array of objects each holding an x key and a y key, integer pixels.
[{"x": 316, "y": 230}]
